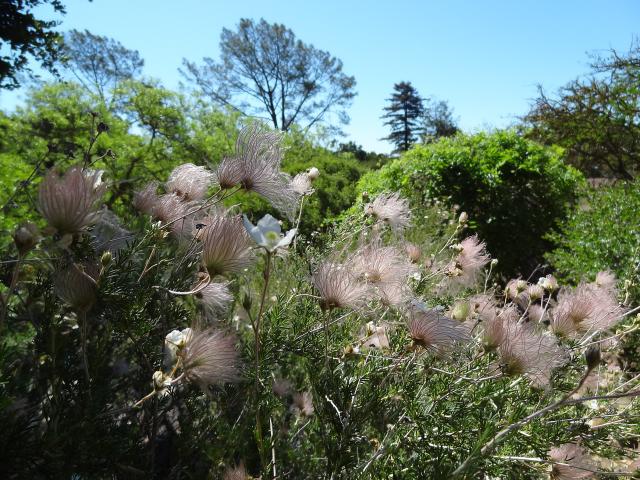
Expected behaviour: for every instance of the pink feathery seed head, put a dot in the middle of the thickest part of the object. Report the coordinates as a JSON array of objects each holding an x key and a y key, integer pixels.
[
  {"x": 282, "y": 387},
  {"x": 381, "y": 265},
  {"x": 493, "y": 331},
  {"x": 76, "y": 285},
  {"x": 484, "y": 305},
  {"x": 393, "y": 294},
  {"x": 209, "y": 357},
  {"x": 606, "y": 280},
  {"x": 433, "y": 331},
  {"x": 413, "y": 252},
  {"x": 301, "y": 184},
  {"x": 170, "y": 208},
  {"x": 235, "y": 473},
  {"x": 69, "y": 202},
  {"x": 572, "y": 310},
  {"x": 189, "y": 182},
  {"x": 215, "y": 299},
  {"x": 579, "y": 462},
  {"x": 390, "y": 208},
  {"x": 226, "y": 246},
  {"x": 467, "y": 265},
  {"x": 338, "y": 287},
  {"x": 606, "y": 311},
  {"x": 524, "y": 351},
  {"x": 256, "y": 168},
  {"x": 302, "y": 404},
  {"x": 374, "y": 336},
  {"x": 537, "y": 314},
  {"x": 146, "y": 199}
]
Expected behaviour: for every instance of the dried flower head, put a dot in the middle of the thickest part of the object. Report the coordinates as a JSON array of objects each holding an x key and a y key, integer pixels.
[
  {"x": 180, "y": 215},
  {"x": 606, "y": 280},
  {"x": 189, "y": 182},
  {"x": 256, "y": 168},
  {"x": 108, "y": 234},
  {"x": 468, "y": 263},
  {"x": 225, "y": 244},
  {"x": 549, "y": 283},
  {"x": 282, "y": 387},
  {"x": 413, "y": 252},
  {"x": 524, "y": 351},
  {"x": 433, "y": 331},
  {"x": 390, "y": 208},
  {"x": 146, "y": 199},
  {"x": 76, "y": 285},
  {"x": 210, "y": 358},
  {"x": 302, "y": 404},
  {"x": 538, "y": 314},
  {"x": 215, "y": 299},
  {"x": 385, "y": 268},
  {"x": 579, "y": 465},
  {"x": 338, "y": 287},
  {"x": 301, "y": 184},
  {"x": 69, "y": 202}
]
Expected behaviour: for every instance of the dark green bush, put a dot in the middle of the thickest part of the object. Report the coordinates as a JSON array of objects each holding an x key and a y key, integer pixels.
[
  {"x": 602, "y": 234},
  {"x": 515, "y": 191}
]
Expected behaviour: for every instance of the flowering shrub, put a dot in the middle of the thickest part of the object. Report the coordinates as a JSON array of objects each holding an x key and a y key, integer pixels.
[
  {"x": 515, "y": 191},
  {"x": 188, "y": 341}
]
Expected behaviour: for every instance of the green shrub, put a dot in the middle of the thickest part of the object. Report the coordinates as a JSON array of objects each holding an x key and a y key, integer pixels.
[
  {"x": 514, "y": 190},
  {"x": 602, "y": 234}
]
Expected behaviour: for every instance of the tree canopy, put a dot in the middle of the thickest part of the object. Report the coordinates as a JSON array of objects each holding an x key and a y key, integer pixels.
[
  {"x": 99, "y": 63},
  {"x": 26, "y": 37},
  {"x": 404, "y": 116},
  {"x": 597, "y": 118},
  {"x": 264, "y": 69}
]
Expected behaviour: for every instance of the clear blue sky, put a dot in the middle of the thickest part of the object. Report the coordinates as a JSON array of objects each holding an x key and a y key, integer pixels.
[{"x": 484, "y": 57}]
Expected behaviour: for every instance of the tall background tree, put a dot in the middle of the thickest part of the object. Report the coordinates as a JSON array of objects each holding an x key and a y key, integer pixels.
[
  {"x": 23, "y": 36},
  {"x": 597, "y": 118},
  {"x": 404, "y": 116},
  {"x": 438, "y": 121},
  {"x": 264, "y": 69},
  {"x": 99, "y": 63}
]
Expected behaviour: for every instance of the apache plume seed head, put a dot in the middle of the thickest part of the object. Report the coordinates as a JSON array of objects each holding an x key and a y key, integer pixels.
[
  {"x": 235, "y": 473},
  {"x": 433, "y": 331},
  {"x": 338, "y": 287},
  {"x": 69, "y": 202},
  {"x": 301, "y": 184},
  {"x": 467, "y": 265},
  {"x": 76, "y": 285},
  {"x": 170, "y": 208},
  {"x": 256, "y": 168},
  {"x": 413, "y": 252},
  {"x": 390, "y": 208},
  {"x": 225, "y": 244},
  {"x": 302, "y": 404},
  {"x": 215, "y": 299},
  {"x": 146, "y": 199},
  {"x": 524, "y": 351},
  {"x": 189, "y": 182},
  {"x": 209, "y": 357}
]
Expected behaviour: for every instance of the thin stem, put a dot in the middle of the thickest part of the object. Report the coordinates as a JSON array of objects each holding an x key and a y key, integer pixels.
[
  {"x": 258, "y": 433},
  {"x": 295, "y": 239},
  {"x": 564, "y": 401},
  {"x": 82, "y": 318}
]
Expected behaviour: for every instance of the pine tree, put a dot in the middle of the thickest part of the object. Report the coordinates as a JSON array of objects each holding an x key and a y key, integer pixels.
[{"x": 404, "y": 114}]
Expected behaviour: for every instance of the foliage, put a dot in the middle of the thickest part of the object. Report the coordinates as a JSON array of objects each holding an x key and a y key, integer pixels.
[
  {"x": 23, "y": 36},
  {"x": 515, "y": 191},
  {"x": 602, "y": 233},
  {"x": 596, "y": 119},
  {"x": 99, "y": 63},
  {"x": 265, "y": 68},
  {"x": 404, "y": 114},
  {"x": 438, "y": 121}
]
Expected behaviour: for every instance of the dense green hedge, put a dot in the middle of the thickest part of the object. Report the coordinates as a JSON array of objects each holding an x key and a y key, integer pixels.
[
  {"x": 602, "y": 234},
  {"x": 515, "y": 191}
]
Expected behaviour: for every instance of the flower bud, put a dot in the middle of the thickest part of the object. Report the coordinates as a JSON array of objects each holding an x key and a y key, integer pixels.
[
  {"x": 313, "y": 173},
  {"x": 26, "y": 237},
  {"x": 592, "y": 356},
  {"x": 463, "y": 218},
  {"x": 106, "y": 258}
]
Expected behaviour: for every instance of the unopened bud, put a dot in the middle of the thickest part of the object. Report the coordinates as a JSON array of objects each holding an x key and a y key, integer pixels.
[
  {"x": 26, "y": 237},
  {"x": 521, "y": 285},
  {"x": 103, "y": 127},
  {"x": 463, "y": 218},
  {"x": 313, "y": 173},
  {"x": 494, "y": 262},
  {"x": 106, "y": 258}
]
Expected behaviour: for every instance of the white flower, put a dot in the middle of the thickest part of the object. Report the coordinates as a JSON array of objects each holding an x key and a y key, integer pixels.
[
  {"x": 268, "y": 233},
  {"x": 176, "y": 340}
]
